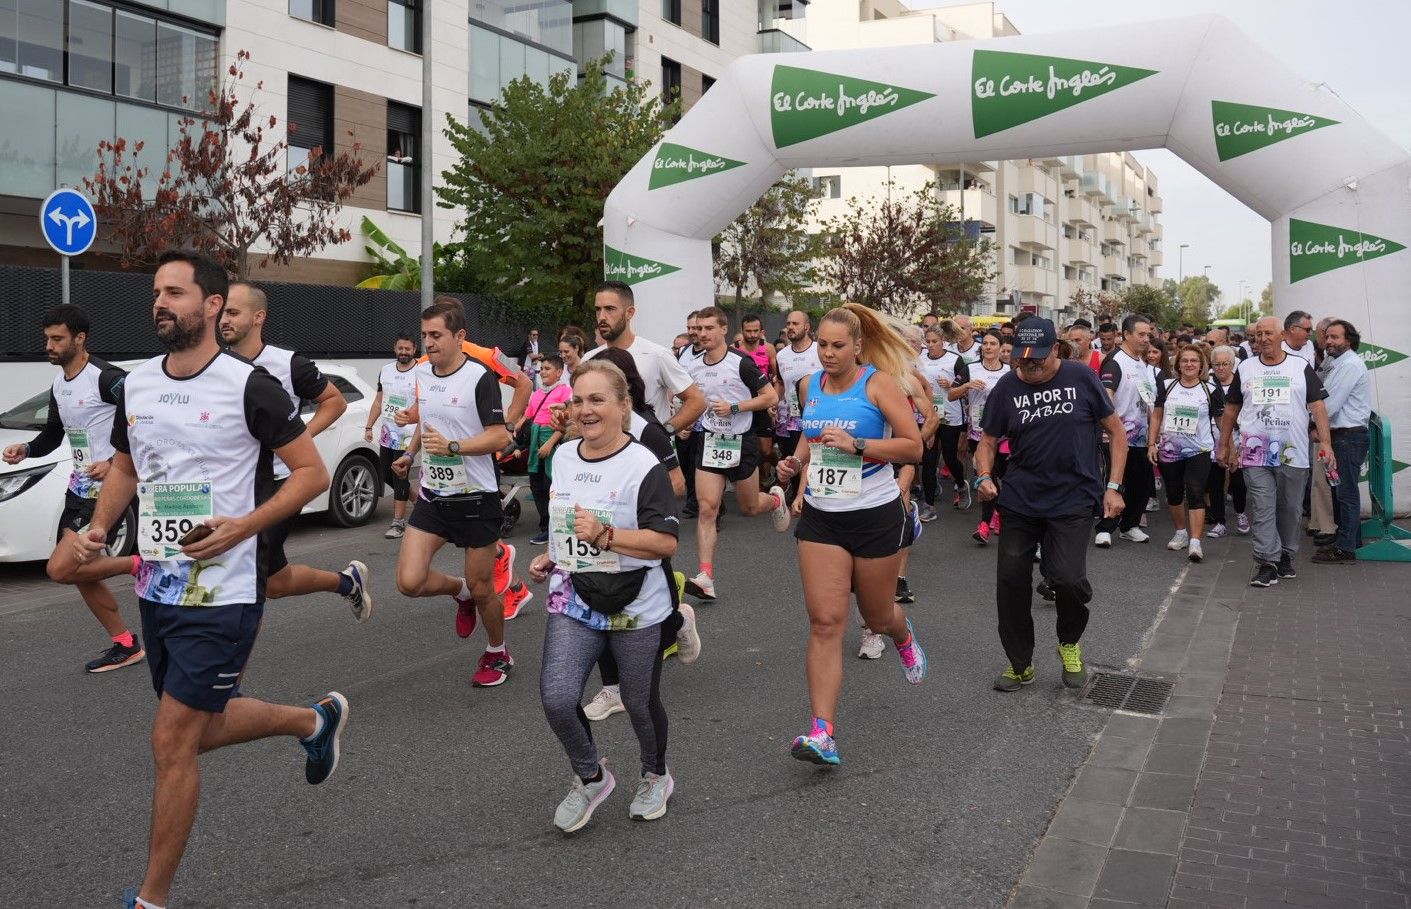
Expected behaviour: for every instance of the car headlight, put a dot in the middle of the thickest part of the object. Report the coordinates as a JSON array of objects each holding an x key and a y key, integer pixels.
[{"x": 12, "y": 484}]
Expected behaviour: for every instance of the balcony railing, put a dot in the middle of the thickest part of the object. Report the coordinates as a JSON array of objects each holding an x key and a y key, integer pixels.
[{"x": 783, "y": 36}]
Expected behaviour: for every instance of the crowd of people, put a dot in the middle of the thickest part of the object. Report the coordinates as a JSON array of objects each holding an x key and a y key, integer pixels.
[{"x": 847, "y": 429}]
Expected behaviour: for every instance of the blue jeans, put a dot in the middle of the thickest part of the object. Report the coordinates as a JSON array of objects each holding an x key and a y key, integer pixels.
[{"x": 1350, "y": 449}]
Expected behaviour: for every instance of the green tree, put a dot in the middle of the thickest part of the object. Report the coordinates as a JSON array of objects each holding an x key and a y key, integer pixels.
[
  {"x": 1154, "y": 302},
  {"x": 532, "y": 178},
  {"x": 769, "y": 244}
]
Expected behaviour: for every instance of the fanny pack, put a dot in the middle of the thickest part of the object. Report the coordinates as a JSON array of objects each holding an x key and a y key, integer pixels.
[
  {"x": 609, "y": 592},
  {"x": 470, "y": 506}
]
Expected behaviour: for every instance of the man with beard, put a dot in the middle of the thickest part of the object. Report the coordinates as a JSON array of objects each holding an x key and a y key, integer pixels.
[
  {"x": 1349, "y": 406},
  {"x": 213, "y": 421},
  {"x": 1132, "y": 384},
  {"x": 392, "y": 406},
  {"x": 242, "y": 331},
  {"x": 82, "y": 401},
  {"x": 1106, "y": 339}
]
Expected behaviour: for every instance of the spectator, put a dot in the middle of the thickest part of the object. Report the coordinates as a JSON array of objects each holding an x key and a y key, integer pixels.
[
  {"x": 529, "y": 352},
  {"x": 1349, "y": 407},
  {"x": 1298, "y": 331},
  {"x": 553, "y": 395}
]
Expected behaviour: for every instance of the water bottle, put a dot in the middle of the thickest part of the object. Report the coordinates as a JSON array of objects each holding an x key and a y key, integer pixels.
[{"x": 1332, "y": 475}]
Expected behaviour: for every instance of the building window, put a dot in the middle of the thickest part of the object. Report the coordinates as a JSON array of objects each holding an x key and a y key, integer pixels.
[
  {"x": 404, "y": 25},
  {"x": 498, "y": 59},
  {"x": 310, "y": 119},
  {"x": 671, "y": 11},
  {"x": 186, "y": 66},
  {"x": 90, "y": 46},
  {"x": 707, "y": 83},
  {"x": 547, "y": 23},
  {"x": 320, "y": 11},
  {"x": 403, "y": 158},
  {"x": 135, "y": 56},
  {"x": 710, "y": 20},
  {"x": 830, "y": 187},
  {"x": 670, "y": 79},
  {"x": 32, "y": 39}
]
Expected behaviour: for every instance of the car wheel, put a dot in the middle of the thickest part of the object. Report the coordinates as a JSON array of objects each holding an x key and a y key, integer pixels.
[
  {"x": 353, "y": 493},
  {"x": 123, "y": 539}
]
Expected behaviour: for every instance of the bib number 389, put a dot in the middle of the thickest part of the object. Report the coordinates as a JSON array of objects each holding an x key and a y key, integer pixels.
[{"x": 443, "y": 474}]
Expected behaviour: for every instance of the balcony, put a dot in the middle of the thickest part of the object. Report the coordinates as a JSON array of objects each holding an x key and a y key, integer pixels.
[
  {"x": 1115, "y": 232},
  {"x": 1034, "y": 232},
  {"x": 1153, "y": 204},
  {"x": 1156, "y": 259},
  {"x": 1081, "y": 210},
  {"x": 1071, "y": 167},
  {"x": 1032, "y": 279},
  {"x": 972, "y": 204},
  {"x": 1123, "y": 208},
  {"x": 1115, "y": 267},
  {"x": 1080, "y": 252},
  {"x": 1035, "y": 180},
  {"x": 782, "y": 36},
  {"x": 1050, "y": 161}
]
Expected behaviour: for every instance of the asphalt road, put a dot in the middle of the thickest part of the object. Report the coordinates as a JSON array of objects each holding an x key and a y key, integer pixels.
[{"x": 445, "y": 793}]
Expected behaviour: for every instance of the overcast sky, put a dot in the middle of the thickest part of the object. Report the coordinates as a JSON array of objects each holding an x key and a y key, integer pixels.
[{"x": 1360, "y": 48}]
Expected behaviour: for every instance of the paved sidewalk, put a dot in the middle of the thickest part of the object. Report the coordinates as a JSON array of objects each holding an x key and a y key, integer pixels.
[{"x": 1280, "y": 772}]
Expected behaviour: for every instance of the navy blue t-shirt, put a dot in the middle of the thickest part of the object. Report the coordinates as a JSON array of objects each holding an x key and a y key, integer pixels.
[{"x": 1053, "y": 433}]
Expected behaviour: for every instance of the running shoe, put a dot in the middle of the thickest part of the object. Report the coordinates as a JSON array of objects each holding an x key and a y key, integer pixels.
[
  {"x": 994, "y": 525},
  {"x": 963, "y": 495},
  {"x": 702, "y": 586},
  {"x": 904, "y": 594},
  {"x": 913, "y": 658},
  {"x": 1196, "y": 553},
  {"x": 1242, "y": 523},
  {"x": 1135, "y": 535},
  {"x": 465, "y": 617},
  {"x": 540, "y": 539},
  {"x": 322, "y": 749},
  {"x": 915, "y": 513},
  {"x": 1045, "y": 590},
  {"x": 504, "y": 568},
  {"x": 1075, "y": 674},
  {"x": 653, "y": 791},
  {"x": 395, "y": 531},
  {"x": 1285, "y": 568},
  {"x": 494, "y": 669},
  {"x": 360, "y": 598},
  {"x": 1152, "y": 504},
  {"x": 1334, "y": 555},
  {"x": 604, "y": 704},
  {"x": 670, "y": 651},
  {"x": 780, "y": 518},
  {"x": 928, "y": 514},
  {"x": 872, "y": 646},
  {"x": 817, "y": 747},
  {"x": 1216, "y": 531},
  {"x": 982, "y": 533},
  {"x": 1266, "y": 575},
  {"x": 1103, "y": 540},
  {"x": 516, "y": 598},
  {"x": 680, "y": 578},
  {"x": 577, "y": 807},
  {"x": 1009, "y": 680},
  {"x": 117, "y": 656},
  {"x": 688, "y": 639},
  {"x": 129, "y": 898},
  {"x": 1179, "y": 541},
  {"x": 1156, "y": 482}
]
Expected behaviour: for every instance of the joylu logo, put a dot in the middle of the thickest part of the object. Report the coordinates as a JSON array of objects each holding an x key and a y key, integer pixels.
[{"x": 171, "y": 397}]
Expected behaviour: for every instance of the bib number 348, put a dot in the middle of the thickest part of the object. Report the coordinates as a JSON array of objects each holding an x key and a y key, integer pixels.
[{"x": 721, "y": 451}]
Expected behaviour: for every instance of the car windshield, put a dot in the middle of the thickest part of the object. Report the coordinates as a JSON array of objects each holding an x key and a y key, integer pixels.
[{"x": 31, "y": 414}]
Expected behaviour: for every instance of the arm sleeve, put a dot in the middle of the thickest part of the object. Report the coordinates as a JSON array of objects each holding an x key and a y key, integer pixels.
[
  {"x": 110, "y": 384},
  {"x": 1316, "y": 391},
  {"x": 271, "y": 417},
  {"x": 488, "y": 403},
  {"x": 1235, "y": 396},
  {"x": 506, "y": 371},
  {"x": 1110, "y": 373},
  {"x": 308, "y": 382},
  {"x": 962, "y": 371},
  {"x": 1217, "y": 401},
  {"x": 656, "y": 504},
  {"x": 53, "y": 432},
  {"x": 656, "y": 440},
  {"x": 1161, "y": 389},
  {"x": 749, "y": 374},
  {"x": 1102, "y": 401}
]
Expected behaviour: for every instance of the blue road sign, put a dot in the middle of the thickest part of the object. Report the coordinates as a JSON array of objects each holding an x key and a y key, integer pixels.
[{"x": 68, "y": 222}]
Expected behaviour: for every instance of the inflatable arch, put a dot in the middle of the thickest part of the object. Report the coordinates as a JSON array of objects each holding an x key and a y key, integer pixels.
[{"x": 1337, "y": 191}]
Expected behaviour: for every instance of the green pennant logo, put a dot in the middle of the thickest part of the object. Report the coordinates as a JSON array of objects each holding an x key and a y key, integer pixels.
[
  {"x": 1315, "y": 248},
  {"x": 807, "y": 103},
  {"x": 677, "y": 164},
  {"x": 1375, "y": 356},
  {"x": 630, "y": 269},
  {"x": 1396, "y": 467},
  {"x": 1009, "y": 89},
  {"x": 1243, "y": 128}
]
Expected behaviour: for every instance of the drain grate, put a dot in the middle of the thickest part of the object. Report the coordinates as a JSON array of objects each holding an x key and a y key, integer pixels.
[{"x": 1120, "y": 691}]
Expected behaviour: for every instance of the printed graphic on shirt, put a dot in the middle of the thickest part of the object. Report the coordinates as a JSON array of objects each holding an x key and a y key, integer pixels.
[
  {"x": 398, "y": 388},
  {"x": 81, "y": 410}
]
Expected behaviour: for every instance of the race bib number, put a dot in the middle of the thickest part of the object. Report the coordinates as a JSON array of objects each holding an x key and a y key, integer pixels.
[
  {"x": 1147, "y": 392},
  {"x": 571, "y": 553},
  {"x": 791, "y": 399},
  {"x": 82, "y": 452},
  {"x": 166, "y": 512},
  {"x": 1181, "y": 421},
  {"x": 977, "y": 414},
  {"x": 393, "y": 403},
  {"x": 833, "y": 474},
  {"x": 721, "y": 451},
  {"x": 1271, "y": 390},
  {"x": 444, "y": 474},
  {"x": 941, "y": 402}
]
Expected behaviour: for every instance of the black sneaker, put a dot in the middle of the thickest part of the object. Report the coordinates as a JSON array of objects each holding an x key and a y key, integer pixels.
[
  {"x": 1285, "y": 568},
  {"x": 1332, "y": 555},
  {"x": 323, "y": 749},
  {"x": 904, "y": 594},
  {"x": 1045, "y": 590},
  {"x": 117, "y": 656},
  {"x": 1266, "y": 575},
  {"x": 1324, "y": 539}
]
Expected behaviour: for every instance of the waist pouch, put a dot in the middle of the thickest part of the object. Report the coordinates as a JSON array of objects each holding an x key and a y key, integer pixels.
[
  {"x": 609, "y": 592},
  {"x": 470, "y": 506}
]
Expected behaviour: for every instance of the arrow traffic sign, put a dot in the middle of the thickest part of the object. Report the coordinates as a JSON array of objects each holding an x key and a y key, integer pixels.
[{"x": 68, "y": 222}]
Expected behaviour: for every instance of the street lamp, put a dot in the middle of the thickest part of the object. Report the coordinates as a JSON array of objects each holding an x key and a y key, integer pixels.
[{"x": 1181, "y": 258}]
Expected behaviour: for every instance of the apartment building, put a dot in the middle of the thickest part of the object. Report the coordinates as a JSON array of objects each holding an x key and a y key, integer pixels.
[{"x": 1058, "y": 225}]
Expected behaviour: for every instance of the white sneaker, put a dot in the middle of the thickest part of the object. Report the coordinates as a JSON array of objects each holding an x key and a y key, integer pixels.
[
  {"x": 702, "y": 586},
  {"x": 1135, "y": 535},
  {"x": 604, "y": 704},
  {"x": 688, "y": 639},
  {"x": 872, "y": 646},
  {"x": 1152, "y": 504},
  {"x": 1216, "y": 532},
  {"x": 780, "y": 515},
  {"x": 1196, "y": 553},
  {"x": 1103, "y": 540},
  {"x": 577, "y": 807},
  {"x": 1179, "y": 541}
]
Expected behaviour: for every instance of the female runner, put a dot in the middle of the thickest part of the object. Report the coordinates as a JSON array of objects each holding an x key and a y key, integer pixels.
[{"x": 983, "y": 376}]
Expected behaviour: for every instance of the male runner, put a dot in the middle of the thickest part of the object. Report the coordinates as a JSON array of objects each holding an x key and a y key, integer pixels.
[
  {"x": 242, "y": 330},
  {"x": 762, "y": 352},
  {"x": 193, "y": 434},
  {"x": 798, "y": 359},
  {"x": 392, "y": 408},
  {"x": 1131, "y": 383},
  {"x": 687, "y": 436},
  {"x": 82, "y": 401},
  {"x": 461, "y": 426}
]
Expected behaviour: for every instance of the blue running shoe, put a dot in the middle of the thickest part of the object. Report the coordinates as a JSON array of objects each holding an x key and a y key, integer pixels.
[
  {"x": 323, "y": 748},
  {"x": 915, "y": 521},
  {"x": 913, "y": 658},
  {"x": 817, "y": 747},
  {"x": 129, "y": 898}
]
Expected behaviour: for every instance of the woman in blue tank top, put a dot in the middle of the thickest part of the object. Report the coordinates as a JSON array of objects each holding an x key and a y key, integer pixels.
[{"x": 853, "y": 525}]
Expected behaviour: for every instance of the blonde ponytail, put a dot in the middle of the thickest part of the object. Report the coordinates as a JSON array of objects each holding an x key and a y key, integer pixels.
[{"x": 883, "y": 347}]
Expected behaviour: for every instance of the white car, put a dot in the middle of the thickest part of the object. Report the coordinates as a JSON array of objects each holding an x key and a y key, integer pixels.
[{"x": 32, "y": 491}]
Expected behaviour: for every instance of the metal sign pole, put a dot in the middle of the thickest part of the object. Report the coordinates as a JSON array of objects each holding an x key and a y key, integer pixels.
[{"x": 64, "y": 279}]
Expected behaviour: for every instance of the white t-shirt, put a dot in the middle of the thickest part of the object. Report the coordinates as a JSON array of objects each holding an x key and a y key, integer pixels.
[
  {"x": 398, "y": 390},
  {"x": 976, "y": 398},
  {"x": 951, "y": 367},
  {"x": 460, "y": 405},
  {"x": 794, "y": 365},
  {"x": 1133, "y": 386},
  {"x": 1273, "y": 402},
  {"x": 733, "y": 378},
  {"x": 1307, "y": 351},
  {"x": 662, "y": 374},
  {"x": 1188, "y": 416}
]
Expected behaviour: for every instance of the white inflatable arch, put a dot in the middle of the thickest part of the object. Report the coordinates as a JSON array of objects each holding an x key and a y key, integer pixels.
[{"x": 1337, "y": 191}]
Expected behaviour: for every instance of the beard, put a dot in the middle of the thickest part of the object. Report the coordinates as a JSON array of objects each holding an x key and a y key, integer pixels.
[
  {"x": 609, "y": 332},
  {"x": 404, "y": 359},
  {"x": 181, "y": 333}
]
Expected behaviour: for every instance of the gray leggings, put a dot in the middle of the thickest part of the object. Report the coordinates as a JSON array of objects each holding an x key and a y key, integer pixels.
[{"x": 570, "y": 651}]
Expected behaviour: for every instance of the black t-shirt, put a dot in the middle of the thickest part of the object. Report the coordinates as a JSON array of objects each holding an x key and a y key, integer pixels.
[{"x": 1053, "y": 438}]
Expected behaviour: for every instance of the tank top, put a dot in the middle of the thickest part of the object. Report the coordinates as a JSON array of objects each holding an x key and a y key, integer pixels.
[
  {"x": 760, "y": 355},
  {"x": 853, "y": 411}
]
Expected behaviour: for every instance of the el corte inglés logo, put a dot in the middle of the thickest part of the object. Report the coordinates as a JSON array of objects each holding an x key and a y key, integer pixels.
[
  {"x": 806, "y": 103},
  {"x": 1375, "y": 356},
  {"x": 630, "y": 269},
  {"x": 1009, "y": 89},
  {"x": 1243, "y": 128},
  {"x": 677, "y": 164},
  {"x": 1315, "y": 248}
]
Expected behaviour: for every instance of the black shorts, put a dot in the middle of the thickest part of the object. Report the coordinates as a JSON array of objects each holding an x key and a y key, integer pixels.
[
  {"x": 869, "y": 533},
  {"x": 273, "y": 539},
  {"x": 763, "y": 424},
  {"x": 401, "y": 486},
  {"x": 197, "y": 655},
  {"x": 78, "y": 513},
  {"x": 749, "y": 458},
  {"x": 466, "y": 522}
]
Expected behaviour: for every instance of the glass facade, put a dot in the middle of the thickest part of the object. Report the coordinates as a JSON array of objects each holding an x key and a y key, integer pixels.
[
  {"x": 548, "y": 23},
  {"x": 497, "y": 59},
  {"x": 32, "y": 38},
  {"x": 320, "y": 11},
  {"x": 404, "y": 25}
]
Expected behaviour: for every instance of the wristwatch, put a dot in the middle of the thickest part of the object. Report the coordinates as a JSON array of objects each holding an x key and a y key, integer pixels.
[
  {"x": 859, "y": 445},
  {"x": 1116, "y": 487},
  {"x": 455, "y": 447},
  {"x": 670, "y": 429},
  {"x": 734, "y": 407}
]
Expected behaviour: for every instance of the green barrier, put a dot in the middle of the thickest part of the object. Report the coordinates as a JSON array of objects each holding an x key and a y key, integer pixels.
[{"x": 1383, "y": 540}]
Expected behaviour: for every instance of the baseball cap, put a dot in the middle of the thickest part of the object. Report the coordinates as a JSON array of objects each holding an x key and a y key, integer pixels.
[{"x": 1034, "y": 338}]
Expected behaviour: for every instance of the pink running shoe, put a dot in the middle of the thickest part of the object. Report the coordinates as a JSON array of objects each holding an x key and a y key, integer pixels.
[
  {"x": 982, "y": 534},
  {"x": 994, "y": 524},
  {"x": 494, "y": 669},
  {"x": 465, "y": 617}
]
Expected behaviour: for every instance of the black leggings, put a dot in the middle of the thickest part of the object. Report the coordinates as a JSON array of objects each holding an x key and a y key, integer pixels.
[
  {"x": 1238, "y": 492},
  {"x": 1139, "y": 480},
  {"x": 1186, "y": 479},
  {"x": 987, "y": 509},
  {"x": 1215, "y": 493},
  {"x": 947, "y": 446},
  {"x": 401, "y": 486}
]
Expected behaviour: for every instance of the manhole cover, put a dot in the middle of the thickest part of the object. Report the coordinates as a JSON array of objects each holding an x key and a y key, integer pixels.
[{"x": 1120, "y": 691}]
